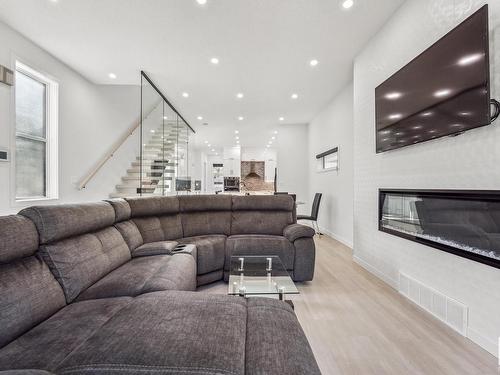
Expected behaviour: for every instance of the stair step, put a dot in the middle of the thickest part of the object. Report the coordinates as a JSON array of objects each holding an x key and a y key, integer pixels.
[
  {"x": 147, "y": 180},
  {"x": 149, "y": 163}
]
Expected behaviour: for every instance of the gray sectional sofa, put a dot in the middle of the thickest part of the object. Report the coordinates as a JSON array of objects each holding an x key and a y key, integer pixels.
[{"x": 98, "y": 288}]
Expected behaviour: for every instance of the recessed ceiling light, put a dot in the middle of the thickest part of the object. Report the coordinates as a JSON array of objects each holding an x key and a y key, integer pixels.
[
  {"x": 217, "y": 153},
  {"x": 241, "y": 118},
  {"x": 395, "y": 116},
  {"x": 201, "y": 2},
  {"x": 200, "y": 118},
  {"x": 273, "y": 137},
  {"x": 185, "y": 95},
  {"x": 281, "y": 118},
  {"x": 236, "y": 137},
  {"x": 214, "y": 60},
  {"x": 275, "y": 132},
  {"x": 112, "y": 75},
  {"x": 295, "y": 96},
  {"x": 206, "y": 142},
  {"x": 213, "y": 150},
  {"x": 441, "y": 93},
  {"x": 393, "y": 95},
  {"x": 209, "y": 145},
  {"x": 152, "y": 131},
  {"x": 236, "y": 132},
  {"x": 268, "y": 146},
  {"x": 270, "y": 142},
  {"x": 347, "y": 4},
  {"x": 165, "y": 117},
  {"x": 240, "y": 95},
  {"x": 313, "y": 62},
  {"x": 237, "y": 142}
]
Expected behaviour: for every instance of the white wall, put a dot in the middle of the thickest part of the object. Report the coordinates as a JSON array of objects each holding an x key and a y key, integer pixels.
[
  {"x": 91, "y": 119},
  {"x": 292, "y": 147},
  {"x": 469, "y": 161},
  {"x": 333, "y": 127}
]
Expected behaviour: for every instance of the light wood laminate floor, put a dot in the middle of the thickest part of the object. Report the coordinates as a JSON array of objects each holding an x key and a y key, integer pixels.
[{"x": 357, "y": 324}]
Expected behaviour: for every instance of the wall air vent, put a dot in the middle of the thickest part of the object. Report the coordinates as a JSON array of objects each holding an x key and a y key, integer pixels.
[{"x": 452, "y": 312}]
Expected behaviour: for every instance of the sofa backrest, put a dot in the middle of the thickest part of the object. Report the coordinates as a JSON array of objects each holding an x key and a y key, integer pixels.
[
  {"x": 29, "y": 293},
  {"x": 262, "y": 214},
  {"x": 205, "y": 214},
  {"x": 79, "y": 243},
  {"x": 156, "y": 218}
]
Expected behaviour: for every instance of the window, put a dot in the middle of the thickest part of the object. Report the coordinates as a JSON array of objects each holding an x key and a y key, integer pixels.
[
  {"x": 328, "y": 160},
  {"x": 36, "y": 103}
]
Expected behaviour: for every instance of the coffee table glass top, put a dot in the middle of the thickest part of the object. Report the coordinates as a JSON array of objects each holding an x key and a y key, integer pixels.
[{"x": 259, "y": 275}]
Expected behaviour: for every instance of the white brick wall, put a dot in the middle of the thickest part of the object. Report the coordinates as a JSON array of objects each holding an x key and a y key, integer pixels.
[{"x": 470, "y": 161}]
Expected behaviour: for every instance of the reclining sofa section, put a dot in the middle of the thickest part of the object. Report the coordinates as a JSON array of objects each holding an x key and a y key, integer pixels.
[
  {"x": 220, "y": 226},
  {"x": 77, "y": 298}
]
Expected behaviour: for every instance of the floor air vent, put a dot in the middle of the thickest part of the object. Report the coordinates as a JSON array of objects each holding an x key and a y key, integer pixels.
[{"x": 446, "y": 309}]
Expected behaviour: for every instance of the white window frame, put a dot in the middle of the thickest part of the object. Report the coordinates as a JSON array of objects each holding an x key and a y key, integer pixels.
[
  {"x": 51, "y": 136},
  {"x": 320, "y": 162}
]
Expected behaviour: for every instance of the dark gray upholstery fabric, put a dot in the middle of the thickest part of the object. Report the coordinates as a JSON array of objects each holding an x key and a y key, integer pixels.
[
  {"x": 26, "y": 372},
  {"x": 296, "y": 231},
  {"x": 263, "y": 203},
  {"x": 65, "y": 220},
  {"x": 210, "y": 277},
  {"x": 79, "y": 262},
  {"x": 201, "y": 203},
  {"x": 260, "y": 222},
  {"x": 122, "y": 209},
  {"x": 154, "y": 248},
  {"x": 169, "y": 332},
  {"x": 18, "y": 238},
  {"x": 260, "y": 244},
  {"x": 130, "y": 234},
  {"x": 276, "y": 343},
  {"x": 163, "y": 228},
  {"x": 146, "y": 274},
  {"x": 203, "y": 223},
  {"x": 149, "y": 206},
  {"x": 305, "y": 254},
  {"x": 28, "y": 295},
  {"x": 210, "y": 251},
  {"x": 46, "y": 345}
]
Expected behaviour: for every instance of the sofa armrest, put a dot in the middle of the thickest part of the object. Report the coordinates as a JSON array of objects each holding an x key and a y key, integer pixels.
[{"x": 296, "y": 231}]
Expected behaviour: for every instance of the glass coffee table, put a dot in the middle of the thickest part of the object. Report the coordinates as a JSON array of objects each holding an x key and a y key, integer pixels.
[{"x": 263, "y": 276}]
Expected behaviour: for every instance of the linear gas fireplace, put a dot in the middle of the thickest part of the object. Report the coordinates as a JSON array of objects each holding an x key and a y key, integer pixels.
[{"x": 465, "y": 223}]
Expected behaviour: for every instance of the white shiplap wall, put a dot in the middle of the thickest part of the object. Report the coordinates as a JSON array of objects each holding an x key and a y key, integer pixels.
[{"x": 470, "y": 161}]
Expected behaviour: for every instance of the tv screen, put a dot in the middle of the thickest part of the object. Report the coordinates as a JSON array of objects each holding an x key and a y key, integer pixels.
[{"x": 443, "y": 91}]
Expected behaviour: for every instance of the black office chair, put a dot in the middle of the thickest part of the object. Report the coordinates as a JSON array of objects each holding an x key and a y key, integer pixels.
[{"x": 313, "y": 218}]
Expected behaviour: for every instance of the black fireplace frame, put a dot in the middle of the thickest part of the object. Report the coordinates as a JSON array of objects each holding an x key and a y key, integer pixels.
[{"x": 483, "y": 195}]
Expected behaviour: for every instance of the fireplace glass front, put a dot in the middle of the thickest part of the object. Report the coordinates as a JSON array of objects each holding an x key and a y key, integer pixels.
[{"x": 465, "y": 223}]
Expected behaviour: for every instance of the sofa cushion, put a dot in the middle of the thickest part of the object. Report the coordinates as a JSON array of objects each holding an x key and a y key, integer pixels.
[
  {"x": 162, "y": 228},
  {"x": 46, "y": 345},
  {"x": 260, "y": 222},
  {"x": 29, "y": 295},
  {"x": 260, "y": 244},
  {"x": 154, "y": 248},
  {"x": 62, "y": 221},
  {"x": 268, "y": 350},
  {"x": 205, "y": 214},
  {"x": 29, "y": 292},
  {"x": 79, "y": 262},
  {"x": 146, "y": 274},
  {"x": 19, "y": 238},
  {"x": 153, "y": 206},
  {"x": 210, "y": 252},
  {"x": 296, "y": 231},
  {"x": 130, "y": 234},
  {"x": 122, "y": 209},
  {"x": 263, "y": 203},
  {"x": 171, "y": 333}
]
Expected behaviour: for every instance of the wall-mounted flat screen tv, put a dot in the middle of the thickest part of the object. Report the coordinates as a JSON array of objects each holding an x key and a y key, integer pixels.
[{"x": 443, "y": 91}]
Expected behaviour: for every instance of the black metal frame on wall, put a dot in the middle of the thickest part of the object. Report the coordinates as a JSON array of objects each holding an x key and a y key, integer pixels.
[{"x": 476, "y": 195}]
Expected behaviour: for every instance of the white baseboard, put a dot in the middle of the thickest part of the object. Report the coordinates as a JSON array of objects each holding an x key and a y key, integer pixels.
[
  {"x": 341, "y": 239},
  {"x": 392, "y": 282},
  {"x": 488, "y": 344},
  {"x": 484, "y": 342}
]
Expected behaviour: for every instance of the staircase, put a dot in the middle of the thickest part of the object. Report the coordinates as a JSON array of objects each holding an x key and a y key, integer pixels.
[{"x": 159, "y": 162}]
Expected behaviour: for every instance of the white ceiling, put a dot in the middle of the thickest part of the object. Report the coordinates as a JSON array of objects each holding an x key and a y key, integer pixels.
[{"x": 264, "y": 48}]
